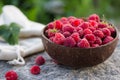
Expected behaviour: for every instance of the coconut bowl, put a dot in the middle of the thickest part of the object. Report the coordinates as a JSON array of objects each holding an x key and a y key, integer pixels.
[{"x": 79, "y": 57}]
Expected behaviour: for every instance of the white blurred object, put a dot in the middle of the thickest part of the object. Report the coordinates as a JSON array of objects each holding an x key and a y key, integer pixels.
[
  {"x": 13, "y": 14},
  {"x": 26, "y": 46}
]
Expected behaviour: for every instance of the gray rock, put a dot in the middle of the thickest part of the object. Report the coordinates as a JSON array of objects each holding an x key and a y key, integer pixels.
[{"x": 109, "y": 70}]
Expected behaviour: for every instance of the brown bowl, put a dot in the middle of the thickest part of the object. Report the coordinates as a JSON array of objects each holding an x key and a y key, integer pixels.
[{"x": 79, "y": 57}]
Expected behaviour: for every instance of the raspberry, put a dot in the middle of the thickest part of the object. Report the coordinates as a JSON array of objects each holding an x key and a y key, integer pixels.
[
  {"x": 102, "y": 25},
  {"x": 95, "y": 45},
  {"x": 39, "y": 60},
  {"x": 75, "y": 36},
  {"x": 35, "y": 70},
  {"x": 80, "y": 33},
  {"x": 106, "y": 31},
  {"x": 78, "y": 28},
  {"x": 77, "y": 22},
  {"x": 112, "y": 30},
  {"x": 107, "y": 39},
  {"x": 11, "y": 75},
  {"x": 50, "y": 25},
  {"x": 63, "y": 19},
  {"x": 66, "y": 34},
  {"x": 51, "y": 32},
  {"x": 51, "y": 38},
  {"x": 90, "y": 37},
  {"x": 93, "y": 23},
  {"x": 83, "y": 43},
  {"x": 87, "y": 31},
  {"x": 68, "y": 27},
  {"x": 71, "y": 18},
  {"x": 59, "y": 38},
  {"x": 94, "y": 17},
  {"x": 98, "y": 41},
  {"x": 84, "y": 25},
  {"x": 69, "y": 42},
  {"x": 92, "y": 29},
  {"x": 98, "y": 33},
  {"x": 58, "y": 24}
]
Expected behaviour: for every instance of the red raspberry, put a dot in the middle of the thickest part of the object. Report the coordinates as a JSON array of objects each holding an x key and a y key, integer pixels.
[
  {"x": 92, "y": 29},
  {"x": 112, "y": 30},
  {"x": 51, "y": 38},
  {"x": 69, "y": 42},
  {"x": 35, "y": 70},
  {"x": 51, "y": 32},
  {"x": 95, "y": 45},
  {"x": 98, "y": 41},
  {"x": 93, "y": 23},
  {"x": 77, "y": 22},
  {"x": 50, "y": 25},
  {"x": 68, "y": 27},
  {"x": 107, "y": 39},
  {"x": 91, "y": 38},
  {"x": 63, "y": 19},
  {"x": 87, "y": 31},
  {"x": 94, "y": 17},
  {"x": 80, "y": 33},
  {"x": 39, "y": 60},
  {"x": 78, "y": 28},
  {"x": 71, "y": 18},
  {"x": 84, "y": 25},
  {"x": 59, "y": 38},
  {"x": 11, "y": 75},
  {"x": 98, "y": 33},
  {"x": 66, "y": 34},
  {"x": 58, "y": 24},
  {"x": 75, "y": 36},
  {"x": 102, "y": 25},
  {"x": 83, "y": 43},
  {"x": 106, "y": 31}
]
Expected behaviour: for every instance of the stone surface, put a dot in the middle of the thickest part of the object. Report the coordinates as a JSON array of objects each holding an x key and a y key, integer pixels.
[{"x": 109, "y": 70}]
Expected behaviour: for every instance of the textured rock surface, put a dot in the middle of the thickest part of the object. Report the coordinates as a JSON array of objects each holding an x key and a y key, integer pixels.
[{"x": 109, "y": 70}]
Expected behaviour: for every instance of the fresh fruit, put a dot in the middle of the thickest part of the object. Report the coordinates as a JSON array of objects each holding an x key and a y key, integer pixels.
[
  {"x": 95, "y": 45},
  {"x": 68, "y": 27},
  {"x": 69, "y": 42},
  {"x": 66, "y": 34},
  {"x": 87, "y": 31},
  {"x": 59, "y": 38},
  {"x": 90, "y": 37},
  {"x": 84, "y": 25},
  {"x": 83, "y": 43},
  {"x": 107, "y": 39},
  {"x": 80, "y": 32},
  {"x": 39, "y": 60},
  {"x": 102, "y": 25},
  {"x": 50, "y": 26},
  {"x": 35, "y": 70},
  {"x": 58, "y": 24},
  {"x": 98, "y": 33},
  {"x": 94, "y": 17},
  {"x": 106, "y": 31},
  {"x": 76, "y": 22},
  {"x": 11, "y": 75},
  {"x": 98, "y": 41},
  {"x": 75, "y": 36}
]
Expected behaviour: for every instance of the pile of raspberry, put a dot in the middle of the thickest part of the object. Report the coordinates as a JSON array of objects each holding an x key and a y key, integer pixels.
[{"x": 79, "y": 32}]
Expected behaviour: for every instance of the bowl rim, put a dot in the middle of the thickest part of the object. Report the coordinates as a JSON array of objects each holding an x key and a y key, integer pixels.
[{"x": 116, "y": 37}]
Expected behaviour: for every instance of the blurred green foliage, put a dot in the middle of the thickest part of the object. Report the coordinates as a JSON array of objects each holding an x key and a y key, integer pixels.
[{"x": 35, "y": 9}]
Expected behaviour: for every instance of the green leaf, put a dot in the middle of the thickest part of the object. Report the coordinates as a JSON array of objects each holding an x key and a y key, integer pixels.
[{"x": 10, "y": 33}]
